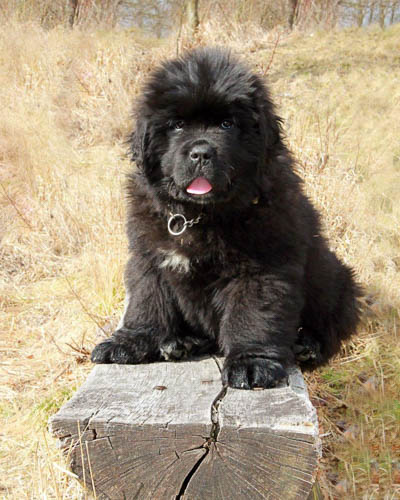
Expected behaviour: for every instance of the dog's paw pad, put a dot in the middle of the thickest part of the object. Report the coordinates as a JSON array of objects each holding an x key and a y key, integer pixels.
[
  {"x": 112, "y": 352},
  {"x": 252, "y": 373},
  {"x": 103, "y": 352},
  {"x": 172, "y": 350},
  {"x": 307, "y": 350},
  {"x": 184, "y": 347},
  {"x": 125, "y": 347}
]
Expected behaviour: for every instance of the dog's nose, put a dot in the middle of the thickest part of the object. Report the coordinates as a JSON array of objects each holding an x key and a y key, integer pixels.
[{"x": 201, "y": 153}]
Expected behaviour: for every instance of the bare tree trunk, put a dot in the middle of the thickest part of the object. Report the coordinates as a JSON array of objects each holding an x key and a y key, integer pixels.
[
  {"x": 371, "y": 7},
  {"x": 73, "y": 14},
  {"x": 382, "y": 13},
  {"x": 392, "y": 12},
  {"x": 360, "y": 14},
  {"x": 292, "y": 13},
  {"x": 336, "y": 13},
  {"x": 192, "y": 15}
]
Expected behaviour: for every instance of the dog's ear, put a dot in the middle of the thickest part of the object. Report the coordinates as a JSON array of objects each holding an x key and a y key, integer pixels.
[
  {"x": 268, "y": 122},
  {"x": 271, "y": 129},
  {"x": 138, "y": 142},
  {"x": 143, "y": 146}
]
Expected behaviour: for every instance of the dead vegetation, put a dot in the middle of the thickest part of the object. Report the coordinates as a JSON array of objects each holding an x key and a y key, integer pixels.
[{"x": 66, "y": 100}]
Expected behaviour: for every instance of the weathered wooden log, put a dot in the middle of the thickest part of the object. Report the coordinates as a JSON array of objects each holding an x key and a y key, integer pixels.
[{"x": 169, "y": 431}]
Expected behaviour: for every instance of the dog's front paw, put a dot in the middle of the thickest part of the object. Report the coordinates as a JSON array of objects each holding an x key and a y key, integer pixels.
[
  {"x": 252, "y": 372},
  {"x": 307, "y": 351},
  {"x": 174, "y": 349},
  {"x": 126, "y": 347}
]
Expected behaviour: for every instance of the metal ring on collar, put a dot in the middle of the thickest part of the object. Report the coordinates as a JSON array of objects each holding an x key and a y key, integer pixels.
[{"x": 173, "y": 219}]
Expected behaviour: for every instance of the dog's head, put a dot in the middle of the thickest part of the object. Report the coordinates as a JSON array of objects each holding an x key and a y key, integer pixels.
[{"x": 205, "y": 128}]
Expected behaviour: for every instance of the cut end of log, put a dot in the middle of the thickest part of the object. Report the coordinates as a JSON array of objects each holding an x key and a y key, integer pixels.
[{"x": 169, "y": 430}]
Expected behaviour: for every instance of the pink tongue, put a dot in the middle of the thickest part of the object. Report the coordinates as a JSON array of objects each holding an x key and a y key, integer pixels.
[{"x": 199, "y": 186}]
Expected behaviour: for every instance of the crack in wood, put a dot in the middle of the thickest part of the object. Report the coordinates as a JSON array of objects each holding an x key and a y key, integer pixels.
[
  {"x": 215, "y": 427},
  {"x": 190, "y": 475},
  {"x": 213, "y": 438},
  {"x": 218, "y": 362}
]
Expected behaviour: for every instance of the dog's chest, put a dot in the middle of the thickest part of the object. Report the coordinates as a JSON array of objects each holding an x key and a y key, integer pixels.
[
  {"x": 185, "y": 256},
  {"x": 175, "y": 261}
]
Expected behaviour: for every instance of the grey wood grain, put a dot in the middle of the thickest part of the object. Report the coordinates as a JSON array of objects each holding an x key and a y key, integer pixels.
[{"x": 166, "y": 430}]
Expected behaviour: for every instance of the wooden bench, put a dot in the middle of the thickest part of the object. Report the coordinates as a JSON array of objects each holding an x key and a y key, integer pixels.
[{"x": 170, "y": 431}]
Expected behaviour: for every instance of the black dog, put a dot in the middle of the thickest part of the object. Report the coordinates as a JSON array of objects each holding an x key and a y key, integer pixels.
[{"x": 226, "y": 250}]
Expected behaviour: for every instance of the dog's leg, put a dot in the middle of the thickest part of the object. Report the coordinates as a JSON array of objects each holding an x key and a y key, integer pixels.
[
  {"x": 144, "y": 333},
  {"x": 259, "y": 329},
  {"x": 331, "y": 310},
  {"x": 307, "y": 350}
]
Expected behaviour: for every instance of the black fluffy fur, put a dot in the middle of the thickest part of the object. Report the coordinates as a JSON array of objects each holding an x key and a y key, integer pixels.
[{"x": 253, "y": 278}]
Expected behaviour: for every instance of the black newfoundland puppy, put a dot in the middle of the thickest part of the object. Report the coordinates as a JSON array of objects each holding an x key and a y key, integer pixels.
[{"x": 226, "y": 250}]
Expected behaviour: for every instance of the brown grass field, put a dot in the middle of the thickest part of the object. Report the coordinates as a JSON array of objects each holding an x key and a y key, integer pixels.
[{"x": 66, "y": 99}]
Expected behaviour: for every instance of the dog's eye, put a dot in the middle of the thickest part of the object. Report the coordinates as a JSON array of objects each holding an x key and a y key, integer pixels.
[
  {"x": 227, "y": 124},
  {"x": 178, "y": 125}
]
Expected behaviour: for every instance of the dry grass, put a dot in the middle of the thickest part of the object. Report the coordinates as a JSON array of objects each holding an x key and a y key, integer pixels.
[{"x": 66, "y": 97}]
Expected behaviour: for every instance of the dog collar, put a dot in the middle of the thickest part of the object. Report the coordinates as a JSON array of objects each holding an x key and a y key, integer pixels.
[{"x": 182, "y": 223}]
